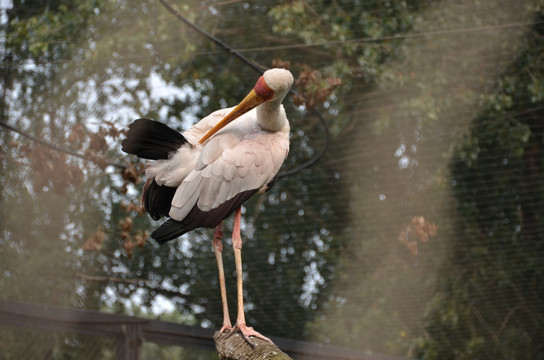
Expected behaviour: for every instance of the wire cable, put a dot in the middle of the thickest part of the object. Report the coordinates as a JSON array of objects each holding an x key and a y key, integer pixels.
[
  {"x": 259, "y": 70},
  {"x": 57, "y": 148},
  {"x": 232, "y": 52}
]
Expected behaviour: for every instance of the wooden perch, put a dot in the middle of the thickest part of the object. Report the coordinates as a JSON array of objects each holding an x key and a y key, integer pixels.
[{"x": 235, "y": 347}]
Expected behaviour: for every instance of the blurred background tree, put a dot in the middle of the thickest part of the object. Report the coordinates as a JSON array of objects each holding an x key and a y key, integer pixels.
[{"x": 419, "y": 232}]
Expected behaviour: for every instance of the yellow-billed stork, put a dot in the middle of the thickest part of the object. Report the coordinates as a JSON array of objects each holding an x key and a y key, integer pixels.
[{"x": 200, "y": 177}]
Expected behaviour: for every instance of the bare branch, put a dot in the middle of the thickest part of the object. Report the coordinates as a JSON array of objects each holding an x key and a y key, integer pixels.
[{"x": 138, "y": 282}]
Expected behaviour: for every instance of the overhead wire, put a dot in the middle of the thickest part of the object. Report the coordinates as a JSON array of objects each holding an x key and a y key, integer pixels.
[
  {"x": 236, "y": 52},
  {"x": 368, "y": 154},
  {"x": 393, "y": 37},
  {"x": 230, "y": 51},
  {"x": 260, "y": 70},
  {"x": 57, "y": 148}
]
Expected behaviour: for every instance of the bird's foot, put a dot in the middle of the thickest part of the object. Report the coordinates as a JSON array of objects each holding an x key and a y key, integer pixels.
[
  {"x": 226, "y": 328},
  {"x": 248, "y": 331}
]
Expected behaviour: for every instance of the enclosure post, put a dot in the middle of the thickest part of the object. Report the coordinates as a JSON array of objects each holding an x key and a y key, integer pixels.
[{"x": 129, "y": 345}]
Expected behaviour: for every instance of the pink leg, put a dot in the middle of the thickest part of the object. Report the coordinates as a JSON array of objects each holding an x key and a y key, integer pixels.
[
  {"x": 241, "y": 319},
  {"x": 218, "y": 250}
]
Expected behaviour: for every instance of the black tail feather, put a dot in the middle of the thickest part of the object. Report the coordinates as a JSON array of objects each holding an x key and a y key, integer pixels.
[
  {"x": 169, "y": 230},
  {"x": 150, "y": 139},
  {"x": 157, "y": 199}
]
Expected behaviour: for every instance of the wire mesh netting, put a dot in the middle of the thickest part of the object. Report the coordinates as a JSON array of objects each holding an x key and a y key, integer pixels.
[
  {"x": 418, "y": 234},
  {"x": 27, "y": 344},
  {"x": 18, "y": 343}
]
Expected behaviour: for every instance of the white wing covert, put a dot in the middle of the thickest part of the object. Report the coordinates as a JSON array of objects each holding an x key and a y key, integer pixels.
[
  {"x": 229, "y": 166},
  {"x": 172, "y": 171},
  {"x": 195, "y": 133}
]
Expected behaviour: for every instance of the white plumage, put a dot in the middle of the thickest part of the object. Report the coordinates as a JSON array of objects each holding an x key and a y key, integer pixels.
[
  {"x": 244, "y": 155},
  {"x": 240, "y": 157},
  {"x": 201, "y": 177}
]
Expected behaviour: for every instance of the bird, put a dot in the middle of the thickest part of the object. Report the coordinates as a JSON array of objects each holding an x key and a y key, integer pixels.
[{"x": 199, "y": 178}]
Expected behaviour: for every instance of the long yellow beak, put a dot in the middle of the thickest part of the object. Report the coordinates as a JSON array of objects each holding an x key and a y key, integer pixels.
[
  {"x": 251, "y": 101},
  {"x": 260, "y": 93}
]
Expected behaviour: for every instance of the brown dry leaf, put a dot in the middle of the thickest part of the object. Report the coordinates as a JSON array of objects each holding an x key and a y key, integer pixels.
[
  {"x": 98, "y": 142},
  {"x": 140, "y": 238},
  {"x": 77, "y": 135},
  {"x": 126, "y": 224},
  {"x": 412, "y": 247},
  {"x": 124, "y": 188},
  {"x": 132, "y": 174},
  {"x": 314, "y": 88},
  {"x": 298, "y": 100},
  {"x": 128, "y": 245},
  {"x": 51, "y": 169},
  {"x": 94, "y": 241},
  {"x": 111, "y": 130},
  {"x": 131, "y": 240},
  {"x": 100, "y": 161},
  {"x": 432, "y": 229},
  {"x": 282, "y": 64},
  {"x": 136, "y": 207},
  {"x": 419, "y": 229}
]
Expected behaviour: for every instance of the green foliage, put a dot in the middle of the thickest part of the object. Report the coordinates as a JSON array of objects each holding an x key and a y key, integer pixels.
[
  {"x": 96, "y": 73},
  {"x": 322, "y": 255},
  {"x": 498, "y": 254}
]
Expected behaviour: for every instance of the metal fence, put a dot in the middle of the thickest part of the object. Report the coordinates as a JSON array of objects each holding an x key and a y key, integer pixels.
[{"x": 31, "y": 331}]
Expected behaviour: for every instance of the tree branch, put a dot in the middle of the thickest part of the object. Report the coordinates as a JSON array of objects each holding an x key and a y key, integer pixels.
[
  {"x": 150, "y": 285},
  {"x": 85, "y": 157},
  {"x": 235, "y": 347}
]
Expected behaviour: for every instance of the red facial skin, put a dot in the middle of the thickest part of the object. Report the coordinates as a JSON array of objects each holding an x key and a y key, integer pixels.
[{"x": 263, "y": 90}]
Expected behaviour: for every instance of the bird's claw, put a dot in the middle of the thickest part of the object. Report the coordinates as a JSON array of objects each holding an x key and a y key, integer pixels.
[
  {"x": 248, "y": 331},
  {"x": 226, "y": 328}
]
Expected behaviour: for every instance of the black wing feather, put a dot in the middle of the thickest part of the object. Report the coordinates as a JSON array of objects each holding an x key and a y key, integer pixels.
[
  {"x": 158, "y": 199},
  {"x": 196, "y": 218},
  {"x": 150, "y": 139},
  {"x": 154, "y": 140}
]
